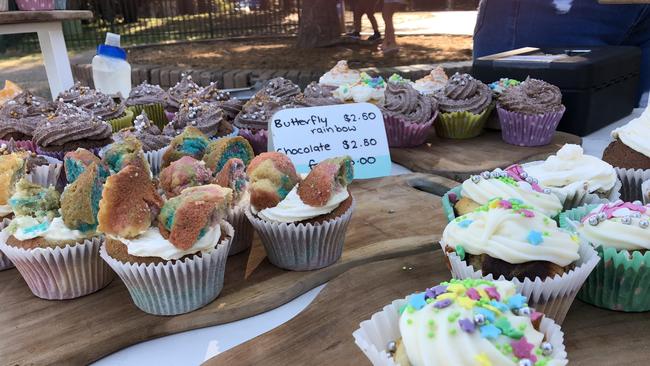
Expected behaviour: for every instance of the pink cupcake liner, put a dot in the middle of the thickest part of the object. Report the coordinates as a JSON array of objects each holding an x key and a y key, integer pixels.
[
  {"x": 61, "y": 273},
  {"x": 243, "y": 230},
  {"x": 5, "y": 263},
  {"x": 60, "y": 154},
  {"x": 528, "y": 130},
  {"x": 170, "y": 116},
  {"x": 22, "y": 144},
  {"x": 32, "y": 5},
  {"x": 407, "y": 134},
  {"x": 258, "y": 139},
  {"x": 303, "y": 247}
]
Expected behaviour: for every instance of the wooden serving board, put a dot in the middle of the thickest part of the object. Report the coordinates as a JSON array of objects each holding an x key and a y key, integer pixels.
[
  {"x": 322, "y": 333},
  {"x": 458, "y": 159},
  {"x": 392, "y": 219}
]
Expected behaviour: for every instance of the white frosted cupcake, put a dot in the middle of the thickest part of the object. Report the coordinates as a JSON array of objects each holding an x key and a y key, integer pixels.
[
  {"x": 339, "y": 75},
  {"x": 432, "y": 82}
]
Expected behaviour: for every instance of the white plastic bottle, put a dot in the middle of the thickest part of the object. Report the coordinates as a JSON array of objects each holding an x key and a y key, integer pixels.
[{"x": 111, "y": 71}]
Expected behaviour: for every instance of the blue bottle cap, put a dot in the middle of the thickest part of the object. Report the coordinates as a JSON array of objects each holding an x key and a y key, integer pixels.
[{"x": 111, "y": 51}]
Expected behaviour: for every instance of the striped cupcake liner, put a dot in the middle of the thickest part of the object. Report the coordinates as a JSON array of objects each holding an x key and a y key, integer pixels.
[
  {"x": 5, "y": 263},
  {"x": 243, "y": 230},
  {"x": 155, "y": 113},
  {"x": 175, "y": 287},
  {"x": 46, "y": 175},
  {"x": 258, "y": 139},
  {"x": 303, "y": 247},
  {"x": 60, "y": 273},
  {"x": 461, "y": 125},
  {"x": 28, "y": 145},
  {"x": 631, "y": 180},
  {"x": 528, "y": 129},
  {"x": 407, "y": 134},
  {"x": 120, "y": 123}
]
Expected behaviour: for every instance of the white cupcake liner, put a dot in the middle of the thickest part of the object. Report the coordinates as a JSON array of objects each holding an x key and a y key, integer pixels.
[
  {"x": 243, "y": 230},
  {"x": 645, "y": 190},
  {"x": 552, "y": 296},
  {"x": 175, "y": 287},
  {"x": 374, "y": 334},
  {"x": 631, "y": 180},
  {"x": 154, "y": 158},
  {"x": 46, "y": 175},
  {"x": 61, "y": 273},
  {"x": 5, "y": 263},
  {"x": 303, "y": 247}
]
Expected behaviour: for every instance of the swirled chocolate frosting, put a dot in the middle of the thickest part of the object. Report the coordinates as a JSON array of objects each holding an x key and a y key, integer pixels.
[
  {"x": 404, "y": 102},
  {"x": 206, "y": 117},
  {"x": 257, "y": 111},
  {"x": 315, "y": 95},
  {"x": 145, "y": 94},
  {"x": 100, "y": 105},
  {"x": 20, "y": 116},
  {"x": 72, "y": 94},
  {"x": 72, "y": 126},
  {"x": 211, "y": 93},
  {"x": 183, "y": 89},
  {"x": 464, "y": 93},
  {"x": 282, "y": 88},
  {"x": 231, "y": 108},
  {"x": 533, "y": 96},
  {"x": 148, "y": 133}
]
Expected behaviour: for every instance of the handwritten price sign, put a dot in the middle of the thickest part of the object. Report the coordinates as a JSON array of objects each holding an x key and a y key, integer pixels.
[{"x": 311, "y": 135}]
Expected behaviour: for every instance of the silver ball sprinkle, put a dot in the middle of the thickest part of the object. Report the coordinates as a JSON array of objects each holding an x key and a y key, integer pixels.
[
  {"x": 529, "y": 180},
  {"x": 524, "y": 175},
  {"x": 525, "y": 362},
  {"x": 547, "y": 190},
  {"x": 547, "y": 348},
  {"x": 636, "y": 215},
  {"x": 626, "y": 220},
  {"x": 644, "y": 224},
  {"x": 637, "y": 202},
  {"x": 601, "y": 216},
  {"x": 593, "y": 221},
  {"x": 391, "y": 347},
  {"x": 476, "y": 178},
  {"x": 486, "y": 175},
  {"x": 495, "y": 174},
  {"x": 479, "y": 319},
  {"x": 525, "y": 311}
]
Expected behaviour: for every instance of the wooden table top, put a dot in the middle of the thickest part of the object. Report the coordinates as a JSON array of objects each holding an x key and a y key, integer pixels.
[{"x": 19, "y": 17}]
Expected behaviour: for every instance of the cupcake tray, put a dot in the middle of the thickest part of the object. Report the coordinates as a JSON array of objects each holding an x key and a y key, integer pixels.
[
  {"x": 458, "y": 159},
  {"x": 395, "y": 216},
  {"x": 593, "y": 336}
]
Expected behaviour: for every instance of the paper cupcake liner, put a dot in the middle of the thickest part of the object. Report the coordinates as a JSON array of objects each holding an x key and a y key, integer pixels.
[
  {"x": 645, "y": 191},
  {"x": 31, "y": 5},
  {"x": 175, "y": 287},
  {"x": 46, "y": 175},
  {"x": 373, "y": 335},
  {"x": 22, "y": 144},
  {"x": 243, "y": 230},
  {"x": 5, "y": 263},
  {"x": 170, "y": 116},
  {"x": 60, "y": 154},
  {"x": 448, "y": 200},
  {"x": 631, "y": 180},
  {"x": 125, "y": 121},
  {"x": 258, "y": 139},
  {"x": 154, "y": 158},
  {"x": 155, "y": 112},
  {"x": 406, "y": 134},
  {"x": 552, "y": 296},
  {"x": 461, "y": 125},
  {"x": 528, "y": 130},
  {"x": 303, "y": 247},
  {"x": 60, "y": 273},
  {"x": 621, "y": 280}
]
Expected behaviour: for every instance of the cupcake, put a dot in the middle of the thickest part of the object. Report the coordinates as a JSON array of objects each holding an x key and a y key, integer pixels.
[
  {"x": 433, "y": 82},
  {"x": 230, "y": 106},
  {"x": 150, "y": 99},
  {"x": 206, "y": 117},
  {"x": 530, "y": 112},
  {"x": 68, "y": 129},
  {"x": 222, "y": 150},
  {"x": 42, "y": 170},
  {"x": 629, "y": 153},
  {"x": 123, "y": 153},
  {"x": 233, "y": 175},
  {"x": 497, "y": 88},
  {"x": 338, "y": 76},
  {"x": 20, "y": 116},
  {"x": 408, "y": 115},
  {"x": 76, "y": 162},
  {"x": 172, "y": 262},
  {"x": 621, "y": 235},
  {"x": 184, "y": 173},
  {"x": 465, "y": 104},
  {"x": 182, "y": 90},
  {"x": 302, "y": 224},
  {"x": 253, "y": 120},
  {"x": 12, "y": 169},
  {"x": 101, "y": 106},
  {"x": 191, "y": 142},
  {"x": 575, "y": 177},
  {"x": 513, "y": 182},
  {"x": 72, "y": 94},
  {"x": 508, "y": 239},
  {"x": 315, "y": 95},
  {"x": 367, "y": 89},
  {"x": 281, "y": 88},
  {"x": 57, "y": 254},
  {"x": 490, "y": 321},
  {"x": 152, "y": 139}
]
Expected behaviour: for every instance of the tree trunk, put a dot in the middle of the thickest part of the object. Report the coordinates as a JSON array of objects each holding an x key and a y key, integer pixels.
[{"x": 319, "y": 24}]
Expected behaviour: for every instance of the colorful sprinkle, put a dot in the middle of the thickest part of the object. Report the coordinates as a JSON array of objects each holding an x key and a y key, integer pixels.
[
  {"x": 522, "y": 349},
  {"x": 490, "y": 331},
  {"x": 482, "y": 360},
  {"x": 473, "y": 294},
  {"x": 442, "y": 303},
  {"x": 465, "y": 223},
  {"x": 517, "y": 301},
  {"x": 467, "y": 325},
  {"x": 493, "y": 293},
  {"x": 460, "y": 251},
  {"x": 488, "y": 314},
  {"x": 417, "y": 301},
  {"x": 435, "y": 291},
  {"x": 535, "y": 237}
]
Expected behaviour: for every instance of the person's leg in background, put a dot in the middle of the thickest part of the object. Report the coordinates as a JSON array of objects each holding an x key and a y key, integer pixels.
[
  {"x": 503, "y": 25},
  {"x": 357, "y": 13},
  {"x": 369, "y": 10},
  {"x": 388, "y": 11}
]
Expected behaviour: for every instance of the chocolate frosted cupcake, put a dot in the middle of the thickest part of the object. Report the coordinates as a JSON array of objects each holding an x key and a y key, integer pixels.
[
  {"x": 74, "y": 93},
  {"x": 230, "y": 106},
  {"x": 465, "y": 104},
  {"x": 69, "y": 128},
  {"x": 530, "y": 112},
  {"x": 253, "y": 120},
  {"x": 20, "y": 116},
  {"x": 281, "y": 88},
  {"x": 206, "y": 117},
  {"x": 104, "y": 107},
  {"x": 315, "y": 95},
  {"x": 149, "y": 134},
  {"x": 149, "y": 98},
  {"x": 408, "y": 115},
  {"x": 183, "y": 89}
]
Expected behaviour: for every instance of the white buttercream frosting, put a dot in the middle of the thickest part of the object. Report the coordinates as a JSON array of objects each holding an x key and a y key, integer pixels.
[
  {"x": 570, "y": 169},
  {"x": 432, "y": 82},
  {"x": 613, "y": 233},
  {"x": 487, "y": 189},
  {"x": 339, "y": 75},
  {"x": 293, "y": 209},
  {"x": 636, "y": 133},
  {"x": 5, "y": 210},
  {"x": 152, "y": 244},
  {"x": 512, "y": 235},
  {"x": 27, "y": 227}
]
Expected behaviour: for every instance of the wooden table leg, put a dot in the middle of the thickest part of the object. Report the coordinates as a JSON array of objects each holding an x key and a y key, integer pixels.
[{"x": 55, "y": 56}]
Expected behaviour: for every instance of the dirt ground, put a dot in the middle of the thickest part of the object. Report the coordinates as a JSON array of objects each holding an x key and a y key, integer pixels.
[{"x": 281, "y": 53}]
